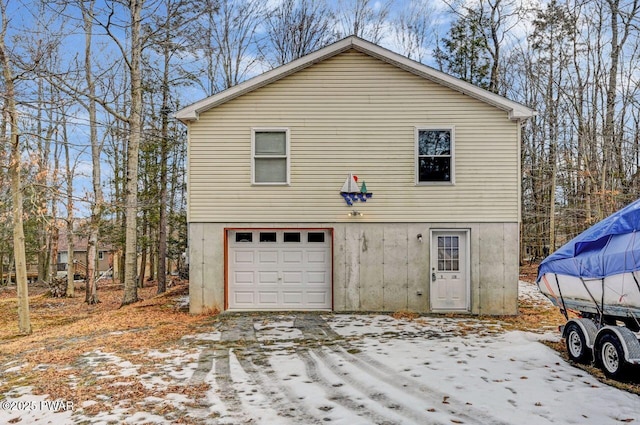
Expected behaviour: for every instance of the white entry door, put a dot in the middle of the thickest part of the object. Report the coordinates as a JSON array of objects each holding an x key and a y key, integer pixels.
[
  {"x": 283, "y": 269},
  {"x": 450, "y": 279}
]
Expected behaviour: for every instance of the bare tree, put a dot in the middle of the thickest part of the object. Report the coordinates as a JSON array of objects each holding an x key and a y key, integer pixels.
[
  {"x": 554, "y": 29},
  {"x": 24, "y": 321},
  {"x": 69, "y": 175},
  {"x": 413, "y": 30},
  {"x": 97, "y": 206},
  {"x": 234, "y": 28},
  {"x": 500, "y": 17},
  {"x": 623, "y": 20},
  {"x": 296, "y": 28},
  {"x": 133, "y": 150},
  {"x": 364, "y": 18}
]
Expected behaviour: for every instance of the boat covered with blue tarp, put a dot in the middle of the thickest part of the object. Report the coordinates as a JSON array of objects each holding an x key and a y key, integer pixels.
[{"x": 598, "y": 271}]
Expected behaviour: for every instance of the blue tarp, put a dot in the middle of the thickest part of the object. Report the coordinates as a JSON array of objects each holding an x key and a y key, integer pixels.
[{"x": 609, "y": 247}]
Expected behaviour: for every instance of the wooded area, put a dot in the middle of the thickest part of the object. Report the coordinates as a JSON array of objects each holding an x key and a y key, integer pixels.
[{"x": 90, "y": 146}]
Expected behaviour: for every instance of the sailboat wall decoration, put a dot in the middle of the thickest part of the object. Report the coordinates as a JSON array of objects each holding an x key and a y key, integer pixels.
[{"x": 352, "y": 193}]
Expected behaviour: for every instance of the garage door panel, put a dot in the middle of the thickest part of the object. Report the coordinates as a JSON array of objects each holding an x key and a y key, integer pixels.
[
  {"x": 317, "y": 257},
  {"x": 292, "y": 298},
  {"x": 269, "y": 277},
  {"x": 292, "y": 257},
  {"x": 317, "y": 297},
  {"x": 268, "y": 297},
  {"x": 244, "y": 257},
  {"x": 317, "y": 278},
  {"x": 292, "y": 278},
  {"x": 291, "y": 269},
  {"x": 267, "y": 257},
  {"x": 244, "y": 278},
  {"x": 244, "y": 298}
]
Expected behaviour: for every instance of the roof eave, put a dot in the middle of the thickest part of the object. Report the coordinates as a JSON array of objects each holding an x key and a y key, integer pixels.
[
  {"x": 192, "y": 112},
  {"x": 516, "y": 111}
]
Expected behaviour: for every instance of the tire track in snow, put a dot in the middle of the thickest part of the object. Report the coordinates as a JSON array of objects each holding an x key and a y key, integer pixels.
[
  {"x": 205, "y": 365},
  {"x": 388, "y": 412},
  {"x": 239, "y": 331},
  {"x": 216, "y": 360},
  {"x": 462, "y": 411},
  {"x": 227, "y": 391},
  {"x": 283, "y": 400},
  {"x": 315, "y": 327}
]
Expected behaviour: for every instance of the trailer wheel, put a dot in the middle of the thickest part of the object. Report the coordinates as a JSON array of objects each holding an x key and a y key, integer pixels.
[
  {"x": 576, "y": 343},
  {"x": 610, "y": 356}
]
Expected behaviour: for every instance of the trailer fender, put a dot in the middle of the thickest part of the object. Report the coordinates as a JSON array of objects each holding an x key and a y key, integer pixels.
[
  {"x": 628, "y": 340},
  {"x": 589, "y": 330}
]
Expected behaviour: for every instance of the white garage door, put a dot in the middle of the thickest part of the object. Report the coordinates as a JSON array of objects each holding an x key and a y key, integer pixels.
[{"x": 279, "y": 269}]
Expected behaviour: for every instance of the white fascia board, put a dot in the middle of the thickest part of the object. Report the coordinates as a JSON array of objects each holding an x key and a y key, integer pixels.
[
  {"x": 516, "y": 110},
  {"x": 191, "y": 112}
]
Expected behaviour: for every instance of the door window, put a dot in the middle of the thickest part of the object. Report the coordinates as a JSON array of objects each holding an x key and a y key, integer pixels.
[
  {"x": 244, "y": 237},
  {"x": 267, "y": 236},
  {"x": 448, "y": 254},
  {"x": 292, "y": 236}
]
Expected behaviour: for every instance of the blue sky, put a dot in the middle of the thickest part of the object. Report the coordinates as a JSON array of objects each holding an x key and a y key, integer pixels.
[{"x": 28, "y": 22}]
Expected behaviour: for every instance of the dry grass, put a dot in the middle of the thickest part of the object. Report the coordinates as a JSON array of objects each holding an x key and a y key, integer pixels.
[
  {"x": 405, "y": 315},
  {"x": 65, "y": 329},
  {"x": 63, "y": 319},
  {"x": 529, "y": 272}
]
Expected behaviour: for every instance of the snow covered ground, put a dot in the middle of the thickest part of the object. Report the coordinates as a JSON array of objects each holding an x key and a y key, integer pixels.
[{"x": 349, "y": 369}]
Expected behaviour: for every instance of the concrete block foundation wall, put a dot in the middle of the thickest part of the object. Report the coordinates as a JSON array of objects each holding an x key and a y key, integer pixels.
[{"x": 376, "y": 266}]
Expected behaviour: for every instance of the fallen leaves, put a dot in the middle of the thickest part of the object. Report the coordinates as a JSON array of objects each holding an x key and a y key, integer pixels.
[
  {"x": 66, "y": 330},
  {"x": 405, "y": 315}
]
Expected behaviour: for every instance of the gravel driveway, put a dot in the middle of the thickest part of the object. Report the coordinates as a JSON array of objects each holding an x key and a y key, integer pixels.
[
  {"x": 253, "y": 352},
  {"x": 362, "y": 369}
]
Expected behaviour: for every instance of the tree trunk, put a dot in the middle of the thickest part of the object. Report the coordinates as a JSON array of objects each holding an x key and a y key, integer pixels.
[
  {"x": 164, "y": 157},
  {"x": 20, "y": 257},
  {"x": 70, "y": 235},
  {"x": 143, "y": 267},
  {"x": 96, "y": 207},
  {"x": 133, "y": 150}
]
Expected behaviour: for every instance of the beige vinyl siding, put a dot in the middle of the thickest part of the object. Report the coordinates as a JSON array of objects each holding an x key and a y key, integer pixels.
[{"x": 353, "y": 113}]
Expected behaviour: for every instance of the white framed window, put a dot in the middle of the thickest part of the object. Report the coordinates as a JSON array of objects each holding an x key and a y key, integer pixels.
[
  {"x": 270, "y": 156},
  {"x": 100, "y": 255},
  {"x": 435, "y": 155}
]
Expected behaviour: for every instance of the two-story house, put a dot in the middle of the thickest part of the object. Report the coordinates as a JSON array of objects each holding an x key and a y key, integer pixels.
[{"x": 354, "y": 179}]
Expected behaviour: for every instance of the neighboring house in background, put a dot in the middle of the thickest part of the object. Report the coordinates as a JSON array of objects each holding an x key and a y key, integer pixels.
[
  {"x": 354, "y": 179},
  {"x": 105, "y": 255}
]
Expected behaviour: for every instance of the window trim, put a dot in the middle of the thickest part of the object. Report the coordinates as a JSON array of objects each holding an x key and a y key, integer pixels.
[
  {"x": 286, "y": 156},
  {"x": 452, "y": 179}
]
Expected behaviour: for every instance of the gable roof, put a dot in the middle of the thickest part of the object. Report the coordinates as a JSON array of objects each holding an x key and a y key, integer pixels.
[{"x": 515, "y": 110}]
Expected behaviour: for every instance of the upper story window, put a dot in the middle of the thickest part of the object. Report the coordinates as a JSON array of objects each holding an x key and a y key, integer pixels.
[
  {"x": 434, "y": 155},
  {"x": 270, "y": 150}
]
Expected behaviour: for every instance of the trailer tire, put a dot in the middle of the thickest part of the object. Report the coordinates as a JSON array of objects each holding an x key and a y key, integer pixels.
[
  {"x": 610, "y": 356},
  {"x": 576, "y": 343}
]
